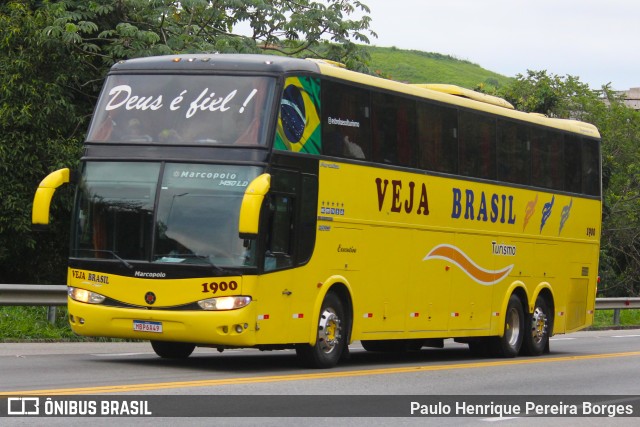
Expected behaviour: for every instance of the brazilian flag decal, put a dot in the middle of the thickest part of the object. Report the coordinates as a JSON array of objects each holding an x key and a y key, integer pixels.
[{"x": 299, "y": 121}]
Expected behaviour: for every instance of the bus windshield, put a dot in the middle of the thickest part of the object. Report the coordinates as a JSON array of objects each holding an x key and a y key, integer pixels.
[
  {"x": 192, "y": 218},
  {"x": 183, "y": 109}
]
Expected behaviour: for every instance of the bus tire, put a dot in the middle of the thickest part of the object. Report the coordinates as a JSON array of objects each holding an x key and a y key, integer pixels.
[
  {"x": 331, "y": 341},
  {"x": 509, "y": 344},
  {"x": 172, "y": 350},
  {"x": 536, "y": 335}
]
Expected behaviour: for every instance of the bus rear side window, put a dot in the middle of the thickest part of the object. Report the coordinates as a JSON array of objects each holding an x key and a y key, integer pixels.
[
  {"x": 546, "y": 159},
  {"x": 572, "y": 164},
  {"x": 590, "y": 167}
]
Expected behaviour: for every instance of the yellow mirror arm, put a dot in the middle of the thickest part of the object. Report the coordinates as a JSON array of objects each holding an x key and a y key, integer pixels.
[
  {"x": 44, "y": 194},
  {"x": 251, "y": 204}
]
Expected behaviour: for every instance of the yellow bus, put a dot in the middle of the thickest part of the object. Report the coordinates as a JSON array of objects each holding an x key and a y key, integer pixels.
[{"x": 234, "y": 201}]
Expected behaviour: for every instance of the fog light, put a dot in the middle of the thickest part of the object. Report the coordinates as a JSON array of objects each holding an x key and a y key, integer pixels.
[{"x": 239, "y": 329}]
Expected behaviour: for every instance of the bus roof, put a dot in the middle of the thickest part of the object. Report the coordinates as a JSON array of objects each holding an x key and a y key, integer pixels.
[
  {"x": 207, "y": 62},
  {"x": 448, "y": 94},
  {"x": 468, "y": 93}
]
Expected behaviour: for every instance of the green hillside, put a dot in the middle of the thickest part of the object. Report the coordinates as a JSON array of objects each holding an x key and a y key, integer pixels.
[{"x": 414, "y": 66}]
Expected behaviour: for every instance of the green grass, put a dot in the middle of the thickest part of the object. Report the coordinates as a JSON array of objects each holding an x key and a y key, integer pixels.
[
  {"x": 31, "y": 324},
  {"x": 19, "y": 324},
  {"x": 414, "y": 66},
  {"x": 603, "y": 319}
]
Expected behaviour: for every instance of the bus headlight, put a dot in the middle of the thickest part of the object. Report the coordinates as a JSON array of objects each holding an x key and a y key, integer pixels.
[
  {"x": 84, "y": 295},
  {"x": 224, "y": 303}
]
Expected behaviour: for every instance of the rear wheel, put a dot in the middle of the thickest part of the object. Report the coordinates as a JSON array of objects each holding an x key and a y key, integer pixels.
[
  {"x": 509, "y": 344},
  {"x": 536, "y": 337},
  {"x": 172, "y": 350},
  {"x": 331, "y": 341}
]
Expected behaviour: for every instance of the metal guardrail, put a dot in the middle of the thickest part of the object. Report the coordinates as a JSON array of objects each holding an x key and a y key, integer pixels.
[
  {"x": 36, "y": 295},
  {"x": 56, "y": 295},
  {"x": 617, "y": 303}
]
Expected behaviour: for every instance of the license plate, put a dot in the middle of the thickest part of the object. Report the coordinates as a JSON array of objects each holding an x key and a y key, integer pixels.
[{"x": 145, "y": 326}]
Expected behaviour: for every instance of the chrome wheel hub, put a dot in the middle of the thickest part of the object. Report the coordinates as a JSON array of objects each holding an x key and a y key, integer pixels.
[
  {"x": 329, "y": 331},
  {"x": 538, "y": 325},
  {"x": 512, "y": 327}
]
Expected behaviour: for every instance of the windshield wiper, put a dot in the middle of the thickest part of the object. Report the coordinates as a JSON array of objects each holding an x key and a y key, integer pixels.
[
  {"x": 207, "y": 261},
  {"x": 113, "y": 254},
  {"x": 201, "y": 260},
  {"x": 180, "y": 258}
]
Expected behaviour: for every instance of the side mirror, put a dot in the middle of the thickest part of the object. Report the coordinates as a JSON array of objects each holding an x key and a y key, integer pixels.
[
  {"x": 44, "y": 194},
  {"x": 251, "y": 206}
]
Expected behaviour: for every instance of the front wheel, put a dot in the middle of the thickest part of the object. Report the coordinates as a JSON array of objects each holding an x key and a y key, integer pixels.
[
  {"x": 331, "y": 341},
  {"x": 536, "y": 337},
  {"x": 508, "y": 345},
  {"x": 172, "y": 350}
]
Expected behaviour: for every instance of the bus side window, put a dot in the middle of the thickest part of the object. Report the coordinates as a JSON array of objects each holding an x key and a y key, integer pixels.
[
  {"x": 477, "y": 145},
  {"x": 393, "y": 130},
  {"x": 437, "y": 138},
  {"x": 590, "y": 167},
  {"x": 308, "y": 202},
  {"x": 346, "y": 130},
  {"x": 280, "y": 230},
  {"x": 514, "y": 153},
  {"x": 572, "y": 164},
  {"x": 546, "y": 159}
]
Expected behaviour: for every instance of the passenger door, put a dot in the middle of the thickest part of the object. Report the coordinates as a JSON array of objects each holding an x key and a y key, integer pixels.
[{"x": 289, "y": 236}]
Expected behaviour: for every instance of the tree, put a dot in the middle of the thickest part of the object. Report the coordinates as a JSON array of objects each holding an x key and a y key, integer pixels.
[
  {"x": 619, "y": 126},
  {"x": 620, "y": 255},
  {"x": 55, "y": 57},
  {"x": 40, "y": 119},
  {"x": 113, "y": 30}
]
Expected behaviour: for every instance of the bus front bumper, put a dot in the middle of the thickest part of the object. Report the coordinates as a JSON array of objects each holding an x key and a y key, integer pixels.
[{"x": 234, "y": 328}]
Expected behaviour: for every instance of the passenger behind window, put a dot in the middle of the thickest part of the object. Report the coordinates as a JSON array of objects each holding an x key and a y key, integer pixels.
[
  {"x": 351, "y": 149},
  {"x": 169, "y": 136},
  {"x": 339, "y": 143},
  {"x": 134, "y": 132}
]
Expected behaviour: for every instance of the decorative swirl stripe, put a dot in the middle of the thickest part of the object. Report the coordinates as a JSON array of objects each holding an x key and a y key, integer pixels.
[{"x": 474, "y": 271}]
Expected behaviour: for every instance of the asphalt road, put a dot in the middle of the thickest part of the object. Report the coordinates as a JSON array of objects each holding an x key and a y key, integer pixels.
[{"x": 590, "y": 364}]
